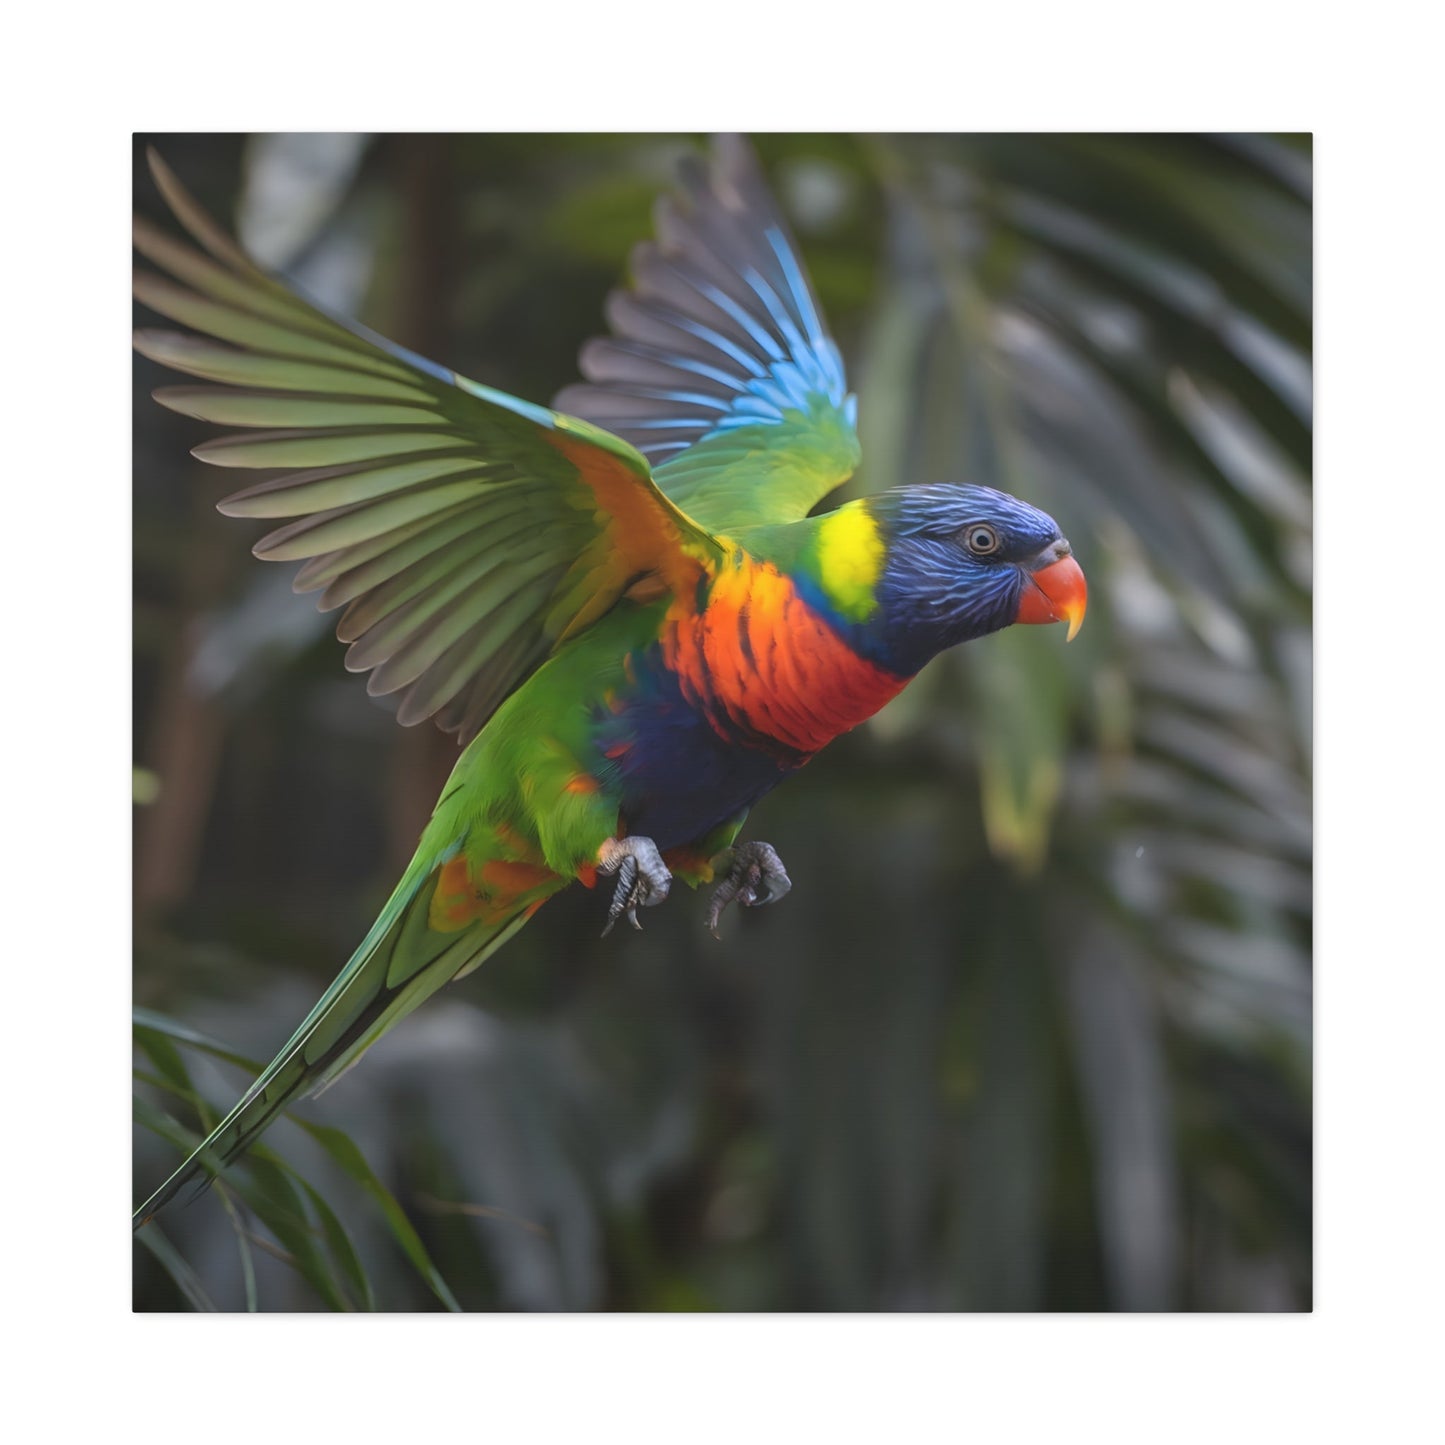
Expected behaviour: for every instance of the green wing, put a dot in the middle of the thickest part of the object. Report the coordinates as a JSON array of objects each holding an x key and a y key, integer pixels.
[
  {"x": 465, "y": 532},
  {"x": 719, "y": 368}
]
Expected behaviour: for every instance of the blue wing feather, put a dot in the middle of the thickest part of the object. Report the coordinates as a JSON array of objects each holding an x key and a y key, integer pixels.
[{"x": 722, "y": 337}]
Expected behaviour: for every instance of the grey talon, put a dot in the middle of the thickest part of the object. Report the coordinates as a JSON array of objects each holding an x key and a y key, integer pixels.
[
  {"x": 755, "y": 877},
  {"x": 642, "y": 878}
]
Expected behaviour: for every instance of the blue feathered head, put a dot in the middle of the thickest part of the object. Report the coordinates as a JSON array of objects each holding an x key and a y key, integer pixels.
[{"x": 962, "y": 562}]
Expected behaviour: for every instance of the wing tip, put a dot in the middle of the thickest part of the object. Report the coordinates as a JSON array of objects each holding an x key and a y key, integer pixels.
[
  {"x": 176, "y": 399},
  {"x": 161, "y": 173},
  {"x": 197, "y": 221}
]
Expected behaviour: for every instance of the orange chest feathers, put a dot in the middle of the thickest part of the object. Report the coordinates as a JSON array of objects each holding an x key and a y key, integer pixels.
[{"x": 759, "y": 661}]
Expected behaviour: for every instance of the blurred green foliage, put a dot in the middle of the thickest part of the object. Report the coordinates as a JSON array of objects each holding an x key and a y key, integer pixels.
[{"x": 1033, "y": 1029}]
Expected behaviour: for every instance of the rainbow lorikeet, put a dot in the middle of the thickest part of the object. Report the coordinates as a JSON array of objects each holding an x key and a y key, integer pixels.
[{"x": 620, "y": 605}]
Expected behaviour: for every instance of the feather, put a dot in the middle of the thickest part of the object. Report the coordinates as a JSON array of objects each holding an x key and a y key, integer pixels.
[
  {"x": 719, "y": 333},
  {"x": 410, "y": 494},
  {"x": 227, "y": 406},
  {"x": 303, "y": 494}
]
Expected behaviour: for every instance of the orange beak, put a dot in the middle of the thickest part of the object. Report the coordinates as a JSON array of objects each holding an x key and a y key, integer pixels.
[{"x": 1055, "y": 591}]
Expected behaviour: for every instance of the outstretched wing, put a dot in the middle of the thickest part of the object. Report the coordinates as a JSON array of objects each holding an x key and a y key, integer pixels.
[
  {"x": 719, "y": 368},
  {"x": 465, "y": 532}
]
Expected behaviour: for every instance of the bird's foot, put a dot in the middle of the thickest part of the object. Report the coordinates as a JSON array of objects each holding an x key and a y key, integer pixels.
[
  {"x": 755, "y": 876},
  {"x": 642, "y": 877}
]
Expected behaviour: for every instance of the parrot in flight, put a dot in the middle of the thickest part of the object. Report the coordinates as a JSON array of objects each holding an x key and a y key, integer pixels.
[{"x": 621, "y": 605}]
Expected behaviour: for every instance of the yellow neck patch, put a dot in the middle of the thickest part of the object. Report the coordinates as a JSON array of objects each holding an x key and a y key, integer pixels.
[{"x": 850, "y": 557}]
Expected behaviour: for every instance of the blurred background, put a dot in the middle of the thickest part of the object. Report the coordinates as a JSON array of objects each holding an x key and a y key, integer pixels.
[{"x": 1032, "y": 1032}]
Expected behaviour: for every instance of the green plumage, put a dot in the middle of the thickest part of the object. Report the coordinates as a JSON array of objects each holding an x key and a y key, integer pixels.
[
  {"x": 480, "y": 546},
  {"x": 621, "y": 607}
]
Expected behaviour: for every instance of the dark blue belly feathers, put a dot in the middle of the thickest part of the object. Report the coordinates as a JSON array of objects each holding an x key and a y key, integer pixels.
[{"x": 679, "y": 778}]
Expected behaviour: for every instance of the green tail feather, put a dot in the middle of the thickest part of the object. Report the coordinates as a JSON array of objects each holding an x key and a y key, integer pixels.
[{"x": 399, "y": 964}]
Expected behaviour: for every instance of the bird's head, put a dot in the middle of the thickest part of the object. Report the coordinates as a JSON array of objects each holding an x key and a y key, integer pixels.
[{"x": 960, "y": 562}]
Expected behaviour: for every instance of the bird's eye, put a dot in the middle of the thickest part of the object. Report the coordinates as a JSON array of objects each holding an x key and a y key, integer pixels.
[{"x": 980, "y": 539}]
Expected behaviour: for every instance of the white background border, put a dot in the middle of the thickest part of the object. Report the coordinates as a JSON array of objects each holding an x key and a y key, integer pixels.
[{"x": 1365, "y": 82}]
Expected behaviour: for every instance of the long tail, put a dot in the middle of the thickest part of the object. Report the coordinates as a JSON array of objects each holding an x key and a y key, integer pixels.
[{"x": 400, "y": 963}]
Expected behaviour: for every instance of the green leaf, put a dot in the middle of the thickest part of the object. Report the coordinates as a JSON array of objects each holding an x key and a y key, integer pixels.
[
  {"x": 1022, "y": 726},
  {"x": 174, "y": 1264},
  {"x": 153, "y": 1034},
  {"x": 343, "y": 1252},
  {"x": 279, "y": 1205},
  {"x": 340, "y": 1147},
  {"x": 158, "y": 1023}
]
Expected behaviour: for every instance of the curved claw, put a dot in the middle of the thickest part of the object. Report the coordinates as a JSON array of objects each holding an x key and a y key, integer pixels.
[
  {"x": 642, "y": 878},
  {"x": 755, "y": 877}
]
